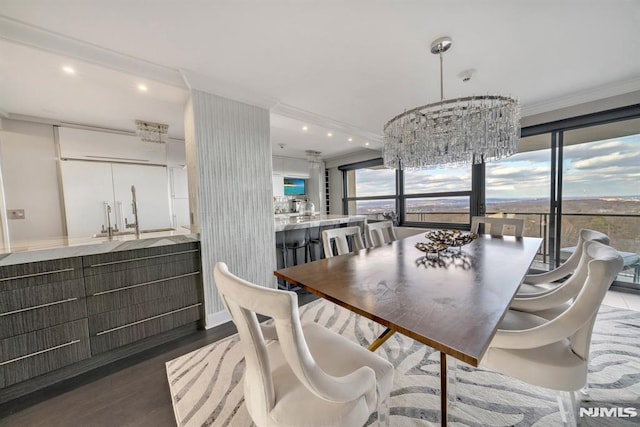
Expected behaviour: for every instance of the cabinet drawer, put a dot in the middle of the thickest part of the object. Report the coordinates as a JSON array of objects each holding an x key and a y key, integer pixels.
[
  {"x": 31, "y": 298},
  {"x": 29, "y": 355},
  {"x": 144, "y": 292},
  {"x": 102, "y": 322},
  {"x": 39, "y": 273},
  {"x": 116, "y": 261},
  {"x": 31, "y": 320},
  {"x": 144, "y": 328},
  {"x": 177, "y": 265}
]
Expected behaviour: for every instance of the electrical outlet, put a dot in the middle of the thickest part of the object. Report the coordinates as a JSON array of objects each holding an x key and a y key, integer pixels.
[{"x": 15, "y": 213}]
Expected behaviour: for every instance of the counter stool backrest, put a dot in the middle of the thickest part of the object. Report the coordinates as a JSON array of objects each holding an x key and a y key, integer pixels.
[{"x": 339, "y": 235}]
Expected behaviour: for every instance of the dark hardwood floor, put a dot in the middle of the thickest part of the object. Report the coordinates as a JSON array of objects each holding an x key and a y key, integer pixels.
[{"x": 130, "y": 392}]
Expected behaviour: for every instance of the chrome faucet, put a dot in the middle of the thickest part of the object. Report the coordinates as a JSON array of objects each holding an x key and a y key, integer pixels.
[
  {"x": 110, "y": 230},
  {"x": 134, "y": 208}
]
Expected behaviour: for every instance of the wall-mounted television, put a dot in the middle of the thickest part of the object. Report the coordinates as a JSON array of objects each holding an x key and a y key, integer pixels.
[{"x": 294, "y": 187}]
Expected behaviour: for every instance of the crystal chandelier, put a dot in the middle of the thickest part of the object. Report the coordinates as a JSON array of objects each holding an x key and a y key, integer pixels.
[
  {"x": 313, "y": 157},
  {"x": 152, "y": 132},
  {"x": 468, "y": 130}
]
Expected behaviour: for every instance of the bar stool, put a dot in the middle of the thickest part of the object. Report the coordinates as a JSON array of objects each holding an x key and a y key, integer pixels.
[
  {"x": 293, "y": 245},
  {"x": 315, "y": 240}
]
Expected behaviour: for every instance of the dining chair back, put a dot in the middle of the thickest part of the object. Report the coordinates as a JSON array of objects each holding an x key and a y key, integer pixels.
[
  {"x": 292, "y": 376},
  {"x": 340, "y": 236},
  {"x": 539, "y": 284},
  {"x": 497, "y": 225},
  {"x": 379, "y": 233},
  {"x": 554, "y": 353}
]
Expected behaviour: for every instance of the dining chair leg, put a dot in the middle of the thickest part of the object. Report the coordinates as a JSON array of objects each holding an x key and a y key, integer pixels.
[
  {"x": 383, "y": 411},
  {"x": 568, "y": 408}
]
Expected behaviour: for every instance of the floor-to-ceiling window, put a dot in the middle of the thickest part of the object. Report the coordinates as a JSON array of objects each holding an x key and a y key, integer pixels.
[
  {"x": 437, "y": 196},
  {"x": 520, "y": 187},
  {"x": 582, "y": 172},
  {"x": 370, "y": 189},
  {"x": 601, "y": 189}
]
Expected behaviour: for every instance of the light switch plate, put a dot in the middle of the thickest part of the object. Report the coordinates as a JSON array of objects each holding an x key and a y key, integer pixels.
[{"x": 15, "y": 213}]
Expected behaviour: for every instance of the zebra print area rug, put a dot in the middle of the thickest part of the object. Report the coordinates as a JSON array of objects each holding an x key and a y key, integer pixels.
[{"x": 206, "y": 384}]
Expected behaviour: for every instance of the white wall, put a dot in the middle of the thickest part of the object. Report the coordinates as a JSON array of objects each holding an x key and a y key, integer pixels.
[{"x": 29, "y": 168}]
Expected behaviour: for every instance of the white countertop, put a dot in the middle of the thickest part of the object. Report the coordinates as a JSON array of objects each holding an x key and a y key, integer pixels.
[
  {"x": 287, "y": 222},
  {"x": 64, "y": 247}
]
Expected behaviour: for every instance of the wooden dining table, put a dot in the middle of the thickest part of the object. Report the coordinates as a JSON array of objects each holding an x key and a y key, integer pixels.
[{"x": 452, "y": 302}]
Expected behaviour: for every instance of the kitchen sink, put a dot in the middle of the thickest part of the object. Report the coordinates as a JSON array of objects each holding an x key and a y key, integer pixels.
[
  {"x": 129, "y": 232},
  {"x": 157, "y": 230}
]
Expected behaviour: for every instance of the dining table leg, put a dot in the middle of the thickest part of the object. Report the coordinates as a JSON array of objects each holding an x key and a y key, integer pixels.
[
  {"x": 443, "y": 389},
  {"x": 381, "y": 339}
]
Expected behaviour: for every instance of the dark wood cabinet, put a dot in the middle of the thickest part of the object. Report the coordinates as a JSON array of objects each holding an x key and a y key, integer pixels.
[
  {"x": 43, "y": 323},
  {"x": 62, "y": 317},
  {"x": 149, "y": 292},
  {"x": 28, "y": 355}
]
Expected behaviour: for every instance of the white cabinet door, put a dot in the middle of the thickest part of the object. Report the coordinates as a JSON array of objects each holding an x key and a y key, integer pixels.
[
  {"x": 278, "y": 185},
  {"x": 295, "y": 168},
  {"x": 87, "y": 189},
  {"x": 152, "y": 193},
  {"x": 179, "y": 183},
  {"x": 94, "y": 145},
  {"x": 181, "y": 213}
]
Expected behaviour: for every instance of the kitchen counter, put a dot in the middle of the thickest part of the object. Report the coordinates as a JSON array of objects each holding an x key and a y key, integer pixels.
[
  {"x": 64, "y": 247},
  {"x": 287, "y": 222}
]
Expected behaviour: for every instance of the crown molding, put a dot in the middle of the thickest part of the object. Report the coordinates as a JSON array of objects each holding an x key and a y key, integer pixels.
[
  {"x": 312, "y": 118},
  {"x": 33, "y": 119},
  {"x": 22, "y": 33},
  {"x": 581, "y": 97},
  {"x": 197, "y": 81}
]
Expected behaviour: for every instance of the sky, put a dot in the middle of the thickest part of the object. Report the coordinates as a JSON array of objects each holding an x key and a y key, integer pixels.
[{"x": 601, "y": 168}]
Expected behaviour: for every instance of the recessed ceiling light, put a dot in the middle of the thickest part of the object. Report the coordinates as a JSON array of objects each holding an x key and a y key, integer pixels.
[
  {"x": 329, "y": 134},
  {"x": 142, "y": 87},
  {"x": 69, "y": 69},
  {"x": 350, "y": 139},
  {"x": 305, "y": 128},
  {"x": 366, "y": 143}
]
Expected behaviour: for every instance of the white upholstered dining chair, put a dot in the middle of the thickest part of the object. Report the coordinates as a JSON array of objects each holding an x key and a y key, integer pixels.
[
  {"x": 340, "y": 235},
  {"x": 301, "y": 375},
  {"x": 379, "y": 233},
  {"x": 555, "y": 353},
  {"x": 536, "y": 285},
  {"x": 497, "y": 225}
]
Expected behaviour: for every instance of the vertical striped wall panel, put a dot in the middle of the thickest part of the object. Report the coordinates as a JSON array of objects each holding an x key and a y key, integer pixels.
[{"x": 229, "y": 155}]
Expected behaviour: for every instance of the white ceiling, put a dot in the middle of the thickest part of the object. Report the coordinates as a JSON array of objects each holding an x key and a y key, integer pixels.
[{"x": 344, "y": 67}]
